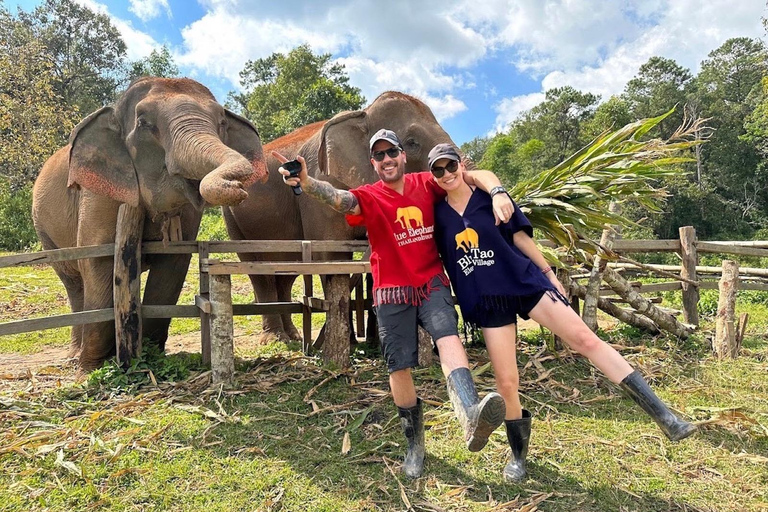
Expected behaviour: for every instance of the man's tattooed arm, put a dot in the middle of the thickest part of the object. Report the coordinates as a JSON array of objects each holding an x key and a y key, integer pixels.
[{"x": 342, "y": 201}]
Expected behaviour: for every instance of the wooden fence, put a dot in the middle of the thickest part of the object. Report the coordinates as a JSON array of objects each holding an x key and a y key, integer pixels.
[{"x": 213, "y": 304}]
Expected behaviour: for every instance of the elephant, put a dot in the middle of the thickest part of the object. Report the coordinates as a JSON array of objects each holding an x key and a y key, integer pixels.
[
  {"x": 336, "y": 151},
  {"x": 166, "y": 147},
  {"x": 410, "y": 213},
  {"x": 467, "y": 239}
]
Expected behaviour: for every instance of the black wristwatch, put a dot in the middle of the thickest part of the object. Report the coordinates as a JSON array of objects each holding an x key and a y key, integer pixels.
[{"x": 497, "y": 190}]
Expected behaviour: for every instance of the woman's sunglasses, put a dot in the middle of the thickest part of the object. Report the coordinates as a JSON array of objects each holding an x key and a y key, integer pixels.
[
  {"x": 439, "y": 172},
  {"x": 392, "y": 152}
]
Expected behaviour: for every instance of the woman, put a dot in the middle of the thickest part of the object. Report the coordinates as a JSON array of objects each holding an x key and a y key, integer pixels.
[{"x": 498, "y": 273}]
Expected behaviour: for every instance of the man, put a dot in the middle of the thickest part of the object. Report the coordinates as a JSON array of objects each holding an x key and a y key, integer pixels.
[{"x": 410, "y": 287}]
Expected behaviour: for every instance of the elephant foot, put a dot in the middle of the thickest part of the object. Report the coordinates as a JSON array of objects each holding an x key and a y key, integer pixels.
[
  {"x": 267, "y": 337},
  {"x": 293, "y": 333}
]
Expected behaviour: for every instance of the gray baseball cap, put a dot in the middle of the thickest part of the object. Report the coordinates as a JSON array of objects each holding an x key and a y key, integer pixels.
[
  {"x": 443, "y": 151},
  {"x": 387, "y": 135}
]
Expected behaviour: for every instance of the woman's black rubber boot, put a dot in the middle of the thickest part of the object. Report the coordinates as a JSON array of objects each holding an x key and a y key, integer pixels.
[
  {"x": 412, "y": 421},
  {"x": 518, "y": 435},
  {"x": 639, "y": 390},
  {"x": 478, "y": 417}
]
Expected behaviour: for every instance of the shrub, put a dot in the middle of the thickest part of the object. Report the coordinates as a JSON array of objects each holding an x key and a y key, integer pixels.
[{"x": 16, "y": 230}]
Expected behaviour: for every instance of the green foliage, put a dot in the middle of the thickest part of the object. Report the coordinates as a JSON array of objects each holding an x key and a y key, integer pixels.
[
  {"x": 164, "y": 368},
  {"x": 286, "y": 91},
  {"x": 16, "y": 230},
  {"x": 85, "y": 49},
  {"x": 568, "y": 202},
  {"x": 157, "y": 63},
  {"x": 557, "y": 122},
  {"x": 212, "y": 226},
  {"x": 475, "y": 148},
  {"x": 659, "y": 85},
  {"x": 34, "y": 121}
]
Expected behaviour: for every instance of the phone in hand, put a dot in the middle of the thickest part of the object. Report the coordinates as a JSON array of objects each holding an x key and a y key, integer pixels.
[{"x": 294, "y": 169}]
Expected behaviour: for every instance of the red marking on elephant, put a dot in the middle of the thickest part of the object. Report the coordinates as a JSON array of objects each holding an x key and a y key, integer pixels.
[
  {"x": 422, "y": 107},
  {"x": 99, "y": 184},
  {"x": 299, "y": 135},
  {"x": 171, "y": 86}
]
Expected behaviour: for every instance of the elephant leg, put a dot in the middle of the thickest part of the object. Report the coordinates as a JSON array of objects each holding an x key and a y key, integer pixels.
[
  {"x": 166, "y": 279},
  {"x": 284, "y": 286},
  {"x": 164, "y": 283},
  {"x": 265, "y": 290},
  {"x": 98, "y": 339},
  {"x": 73, "y": 284}
]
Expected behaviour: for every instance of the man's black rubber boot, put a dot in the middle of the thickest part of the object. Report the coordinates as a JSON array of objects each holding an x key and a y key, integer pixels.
[
  {"x": 639, "y": 390},
  {"x": 518, "y": 434},
  {"x": 478, "y": 417},
  {"x": 412, "y": 421}
]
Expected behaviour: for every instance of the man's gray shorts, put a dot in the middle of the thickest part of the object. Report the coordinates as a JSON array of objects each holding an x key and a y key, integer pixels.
[{"x": 398, "y": 326}]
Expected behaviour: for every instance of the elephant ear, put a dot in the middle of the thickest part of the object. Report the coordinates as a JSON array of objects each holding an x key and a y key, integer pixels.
[
  {"x": 243, "y": 137},
  {"x": 99, "y": 160},
  {"x": 343, "y": 150}
]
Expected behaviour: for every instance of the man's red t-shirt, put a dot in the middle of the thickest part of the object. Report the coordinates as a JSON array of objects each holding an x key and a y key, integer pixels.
[{"x": 404, "y": 257}]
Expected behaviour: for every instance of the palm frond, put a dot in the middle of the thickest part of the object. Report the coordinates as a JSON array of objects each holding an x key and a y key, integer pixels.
[{"x": 569, "y": 202}]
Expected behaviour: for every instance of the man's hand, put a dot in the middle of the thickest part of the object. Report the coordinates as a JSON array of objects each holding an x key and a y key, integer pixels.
[
  {"x": 302, "y": 178},
  {"x": 503, "y": 209}
]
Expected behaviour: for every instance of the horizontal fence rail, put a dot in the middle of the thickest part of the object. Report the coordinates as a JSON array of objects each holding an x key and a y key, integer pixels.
[{"x": 749, "y": 276}]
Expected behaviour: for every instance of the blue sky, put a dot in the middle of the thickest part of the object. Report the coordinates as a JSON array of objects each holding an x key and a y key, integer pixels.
[{"x": 476, "y": 63}]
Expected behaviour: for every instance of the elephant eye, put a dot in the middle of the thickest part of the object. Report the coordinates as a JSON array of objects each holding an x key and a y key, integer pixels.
[
  {"x": 142, "y": 122},
  {"x": 411, "y": 144}
]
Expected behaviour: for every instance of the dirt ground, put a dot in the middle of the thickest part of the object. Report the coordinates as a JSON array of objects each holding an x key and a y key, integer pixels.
[{"x": 53, "y": 364}]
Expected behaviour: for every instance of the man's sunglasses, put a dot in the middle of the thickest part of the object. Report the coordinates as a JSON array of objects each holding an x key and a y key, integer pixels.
[
  {"x": 439, "y": 172},
  {"x": 392, "y": 152}
]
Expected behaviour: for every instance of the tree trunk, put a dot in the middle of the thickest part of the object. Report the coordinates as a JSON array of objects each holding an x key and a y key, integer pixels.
[
  {"x": 589, "y": 314},
  {"x": 617, "y": 312},
  {"x": 126, "y": 292},
  {"x": 643, "y": 306},
  {"x": 725, "y": 330},
  {"x": 222, "y": 330},
  {"x": 336, "y": 346}
]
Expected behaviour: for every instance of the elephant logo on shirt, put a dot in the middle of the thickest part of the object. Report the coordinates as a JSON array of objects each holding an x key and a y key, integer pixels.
[
  {"x": 467, "y": 240},
  {"x": 407, "y": 214}
]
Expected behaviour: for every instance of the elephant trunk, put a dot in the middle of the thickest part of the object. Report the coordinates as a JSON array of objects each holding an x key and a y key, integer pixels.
[{"x": 224, "y": 173}]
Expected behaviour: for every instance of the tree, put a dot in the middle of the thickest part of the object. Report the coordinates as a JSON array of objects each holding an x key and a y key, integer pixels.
[
  {"x": 475, "y": 148},
  {"x": 608, "y": 116},
  {"x": 85, "y": 48},
  {"x": 557, "y": 122},
  {"x": 157, "y": 63},
  {"x": 659, "y": 85},
  {"x": 729, "y": 87},
  {"x": 285, "y": 92},
  {"x": 34, "y": 121}
]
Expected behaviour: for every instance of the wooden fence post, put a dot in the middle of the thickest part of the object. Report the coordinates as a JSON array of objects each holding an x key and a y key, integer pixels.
[
  {"x": 222, "y": 329},
  {"x": 690, "y": 260},
  {"x": 725, "y": 345},
  {"x": 589, "y": 314},
  {"x": 306, "y": 313},
  {"x": 203, "y": 253},
  {"x": 126, "y": 292},
  {"x": 336, "y": 347}
]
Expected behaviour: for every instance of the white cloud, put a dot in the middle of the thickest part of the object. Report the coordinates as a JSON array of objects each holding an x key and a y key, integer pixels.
[
  {"x": 682, "y": 30},
  {"x": 138, "y": 44},
  {"x": 149, "y": 9},
  {"x": 509, "y": 108}
]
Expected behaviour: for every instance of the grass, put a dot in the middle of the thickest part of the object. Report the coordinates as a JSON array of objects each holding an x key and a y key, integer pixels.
[{"x": 276, "y": 441}]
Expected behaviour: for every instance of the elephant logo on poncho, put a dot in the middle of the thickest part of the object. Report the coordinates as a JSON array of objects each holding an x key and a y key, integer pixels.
[{"x": 467, "y": 239}]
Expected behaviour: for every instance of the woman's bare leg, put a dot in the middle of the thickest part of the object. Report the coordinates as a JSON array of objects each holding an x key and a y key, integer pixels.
[
  {"x": 501, "y": 344},
  {"x": 565, "y": 323}
]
